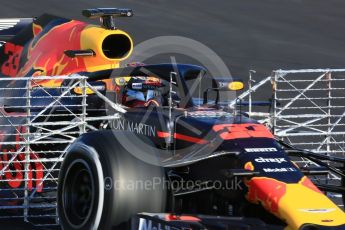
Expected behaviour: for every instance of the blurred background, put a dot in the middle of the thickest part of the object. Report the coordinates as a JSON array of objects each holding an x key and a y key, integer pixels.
[{"x": 249, "y": 34}]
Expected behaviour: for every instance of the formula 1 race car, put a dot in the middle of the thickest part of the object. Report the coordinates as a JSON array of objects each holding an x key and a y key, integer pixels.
[{"x": 152, "y": 146}]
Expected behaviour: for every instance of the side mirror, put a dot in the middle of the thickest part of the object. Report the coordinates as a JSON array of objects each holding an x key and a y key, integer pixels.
[
  {"x": 98, "y": 85},
  {"x": 229, "y": 85},
  {"x": 223, "y": 85}
]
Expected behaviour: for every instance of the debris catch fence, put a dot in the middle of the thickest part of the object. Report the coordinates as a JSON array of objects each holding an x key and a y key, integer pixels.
[
  {"x": 39, "y": 118},
  {"x": 306, "y": 110}
]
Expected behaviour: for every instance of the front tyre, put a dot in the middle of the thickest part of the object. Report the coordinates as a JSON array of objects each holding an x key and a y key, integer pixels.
[{"x": 102, "y": 185}]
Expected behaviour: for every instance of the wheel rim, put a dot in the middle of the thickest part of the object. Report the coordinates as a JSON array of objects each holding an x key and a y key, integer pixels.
[{"x": 78, "y": 196}]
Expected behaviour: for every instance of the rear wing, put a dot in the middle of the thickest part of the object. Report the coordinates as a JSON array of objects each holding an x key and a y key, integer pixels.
[{"x": 9, "y": 27}]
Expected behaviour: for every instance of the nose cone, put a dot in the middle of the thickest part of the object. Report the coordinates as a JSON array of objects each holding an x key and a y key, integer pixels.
[{"x": 301, "y": 205}]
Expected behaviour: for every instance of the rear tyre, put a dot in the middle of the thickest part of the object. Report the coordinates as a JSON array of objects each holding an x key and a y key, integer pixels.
[{"x": 102, "y": 185}]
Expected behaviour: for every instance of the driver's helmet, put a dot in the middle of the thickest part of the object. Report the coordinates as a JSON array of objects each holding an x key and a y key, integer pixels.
[{"x": 140, "y": 91}]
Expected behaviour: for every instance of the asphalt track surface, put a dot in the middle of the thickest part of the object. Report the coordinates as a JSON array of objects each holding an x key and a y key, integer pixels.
[{"x": 248, "y": 34}]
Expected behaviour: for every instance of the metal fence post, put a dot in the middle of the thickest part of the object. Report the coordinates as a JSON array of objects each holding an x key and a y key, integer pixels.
[
  {"x": 250, "y": 84},
  {"x": 329, "y": 111},
  {"x": 84, "y": 105},
  {"x": 27, "y": 149},
  {"x": 273, "y": 119},
  {"x": 170, "y": 129}
]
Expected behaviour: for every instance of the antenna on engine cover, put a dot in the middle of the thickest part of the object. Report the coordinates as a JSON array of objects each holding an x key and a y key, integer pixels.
[{"x": 107, "y": 15}]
